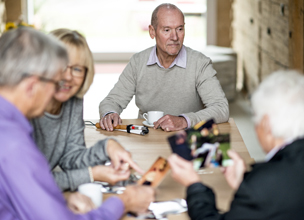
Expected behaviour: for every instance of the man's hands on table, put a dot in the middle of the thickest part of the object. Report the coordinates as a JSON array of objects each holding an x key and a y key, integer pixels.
[
  {"x": 167, "y": 122},
  {"x": 109, "y": 121},
  {"x": 171, "y": 123}
]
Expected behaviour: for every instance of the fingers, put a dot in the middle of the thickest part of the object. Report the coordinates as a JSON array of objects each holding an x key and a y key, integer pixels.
[
  {"x": 101, "y": 124},
  {"x": 116, "y": 161},
  {"x": 237, "y": 160},
  {"x": 182, "y": 170},
  {"x": 116, "y": 119},
  {"x": 80, "y": 203},
  {"x": 150, "y": 197},
  {"x": 118, "y": 176},
  {"x": 159, "y": 121},
  {"x": 173, "y": 165},
  {"x": 120, "y": 156},
  {"x": 234, "y": 155},
  {"x": 171, "y": 123},
  {"x": 177, "y": 165},
  {"x": 179, "y": 161},
  {"x": 125, "y": 157},
  {"x": 138, "y": 198},
  {"x": 89, "y": 205},
  {"x": 135, "y": 166},
  {"x": 223, "y": 169},
  {"x": 109, "y": 121},
  {"x": 166, "y": 123},
  {"x": 104, "y": 123}
]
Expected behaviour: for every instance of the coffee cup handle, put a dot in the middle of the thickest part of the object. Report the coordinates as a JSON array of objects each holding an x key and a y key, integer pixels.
[{"x": 145, "y": 115}]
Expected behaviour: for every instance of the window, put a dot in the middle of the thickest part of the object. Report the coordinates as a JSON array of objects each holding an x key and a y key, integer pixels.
[{"x": 117, "y": 26}]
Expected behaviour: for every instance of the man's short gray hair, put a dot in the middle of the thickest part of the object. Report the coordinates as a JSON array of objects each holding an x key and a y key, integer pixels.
[
  {"x": 28, "y": 51},
  {"x": 154, "y": 19},
  {"x": 281, "y": 97}
]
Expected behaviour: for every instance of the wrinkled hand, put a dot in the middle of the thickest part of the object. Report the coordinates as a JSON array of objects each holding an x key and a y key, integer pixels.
[
  {"x": 137, "y": 198},
  {"x": 106, "y": 121},
  {"x": 79, "y": 203},
  {"x": 234, "y": 174},
  {"x": 171, "y": 123},
  {"x": 109, "y": 174},
  {"x": 182, "y": 170},
  {"x": 119, "y": 156}
]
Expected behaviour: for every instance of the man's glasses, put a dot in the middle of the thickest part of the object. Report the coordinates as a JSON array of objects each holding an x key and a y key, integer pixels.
[
  {"x": 77, "y": 71},
  {"x": 58, "y": 84}
]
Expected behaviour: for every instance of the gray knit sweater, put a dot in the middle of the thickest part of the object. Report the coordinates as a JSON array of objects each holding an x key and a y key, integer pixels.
[
  {"x": 194, "y": 91},
  {"x": 61, "y": 140}
]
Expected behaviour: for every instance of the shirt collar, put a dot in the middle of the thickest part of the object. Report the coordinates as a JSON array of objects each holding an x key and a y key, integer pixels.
[
  {"x": 9, "y": 112},
  {"x": 180, "y": 60},
  {"x": 276, "y": 149}
]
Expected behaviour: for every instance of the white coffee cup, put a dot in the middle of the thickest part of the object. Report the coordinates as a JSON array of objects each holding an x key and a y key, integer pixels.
[
  {"x": 93, "y": 191},
  {"x": 153, "y": 116}
]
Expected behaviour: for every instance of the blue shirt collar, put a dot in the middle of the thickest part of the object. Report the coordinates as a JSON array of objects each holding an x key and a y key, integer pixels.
[{"x": 180, "y": 60}]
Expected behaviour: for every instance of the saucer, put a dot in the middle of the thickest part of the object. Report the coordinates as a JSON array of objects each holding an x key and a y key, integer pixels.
[{"x": 147, "y": 124}]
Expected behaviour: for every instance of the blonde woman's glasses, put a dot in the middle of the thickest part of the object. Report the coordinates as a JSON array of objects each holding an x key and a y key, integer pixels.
[{"x": 77, "y": 71}]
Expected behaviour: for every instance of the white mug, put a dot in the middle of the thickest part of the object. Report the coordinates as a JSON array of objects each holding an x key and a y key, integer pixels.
[
  {"x": 153, "y": 116},
  {"x": 93, "y": 191}
]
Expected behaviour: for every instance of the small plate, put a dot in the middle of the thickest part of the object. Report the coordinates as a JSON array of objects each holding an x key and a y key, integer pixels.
[{"x": 145, "y": 123}]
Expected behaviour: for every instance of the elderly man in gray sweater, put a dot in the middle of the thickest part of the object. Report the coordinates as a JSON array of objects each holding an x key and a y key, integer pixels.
[{"x": 168, "y": 77}]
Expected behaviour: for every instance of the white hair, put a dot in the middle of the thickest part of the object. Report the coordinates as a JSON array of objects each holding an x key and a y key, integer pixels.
[
  {"x": 281, "y": 97},
  {"x": 28, "y": 51}
]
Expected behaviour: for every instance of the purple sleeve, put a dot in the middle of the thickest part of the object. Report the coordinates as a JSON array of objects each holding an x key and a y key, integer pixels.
[
  {"x": 27, "y": 186},
  {"x": 111, "y": 209}
]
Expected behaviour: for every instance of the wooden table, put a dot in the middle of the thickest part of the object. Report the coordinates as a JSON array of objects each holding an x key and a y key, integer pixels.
[{"x": 146, "y": 149}]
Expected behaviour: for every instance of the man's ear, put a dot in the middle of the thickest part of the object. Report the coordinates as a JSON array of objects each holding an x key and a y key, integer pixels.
[
  {"x": 267, "y": 131},
  {"x": 266, "y": 124},
  {"x": 151, "y": 31},
  {"x": 30, "y": 85}
]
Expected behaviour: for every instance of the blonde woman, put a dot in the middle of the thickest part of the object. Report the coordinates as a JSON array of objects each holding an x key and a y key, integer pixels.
[{"x": 60, "y": 132}]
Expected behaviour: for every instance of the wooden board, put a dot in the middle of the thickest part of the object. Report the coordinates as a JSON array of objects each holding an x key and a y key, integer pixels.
[
  {"x": 296, "y": 46},
  {"x": 13, "y": 10},
  {"x": 267, "y": 36}
]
